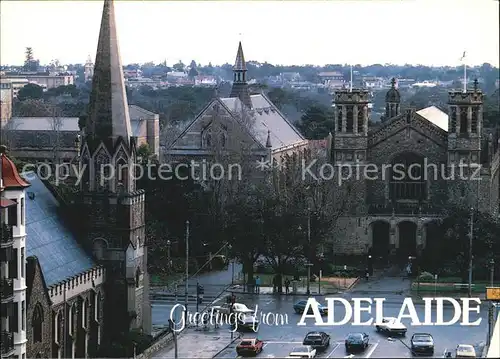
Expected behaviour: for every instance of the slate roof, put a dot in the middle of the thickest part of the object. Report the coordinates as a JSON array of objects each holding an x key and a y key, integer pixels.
[
  {"x": 268, "y": 119},
  {"x": 436, "y": 116},
  {"x": 48, "y": 238}
]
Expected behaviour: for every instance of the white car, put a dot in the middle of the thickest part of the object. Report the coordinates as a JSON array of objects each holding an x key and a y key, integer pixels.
[
  {"x": 237, "y": 308},
  {"x": 305, "y": 351},
  {"x": 391, "y": 325},
  {"x": 465, "y": 351}
]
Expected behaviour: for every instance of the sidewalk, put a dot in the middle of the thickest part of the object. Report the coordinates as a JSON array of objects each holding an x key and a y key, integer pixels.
[
  {"x": 196, "y": 343},
  {"x": 301, "y": 290}
]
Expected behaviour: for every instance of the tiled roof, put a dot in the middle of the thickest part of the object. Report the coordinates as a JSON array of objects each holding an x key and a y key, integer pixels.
[
  {"x": 436, "y": 116},
  {"x": 268, "y": 118},
  {"x": 49, "y": 239}
]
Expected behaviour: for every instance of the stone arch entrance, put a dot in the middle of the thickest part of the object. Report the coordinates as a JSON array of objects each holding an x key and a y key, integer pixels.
[
  {"x": 407, "y": 239},
  {"x": 380, "y": 241}
]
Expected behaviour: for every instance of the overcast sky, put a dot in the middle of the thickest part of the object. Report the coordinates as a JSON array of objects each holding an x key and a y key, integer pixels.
[{"x": 430, "y": 32}]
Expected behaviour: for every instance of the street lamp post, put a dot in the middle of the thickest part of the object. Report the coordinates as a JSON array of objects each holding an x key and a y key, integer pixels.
[
  {"x": 232, "y": 265},
  {"x": 187, "y": 271},
  {"x": 308, "y": 292},
  {"x": 470, "y": 249},
  {"x": 168, "y": 254},
  {"x": 491, "y": 309}
]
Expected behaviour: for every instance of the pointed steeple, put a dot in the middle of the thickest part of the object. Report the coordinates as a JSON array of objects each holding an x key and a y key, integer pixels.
[
  {"x": 268, "y": 141},
  {"x": 108, "y": 107},
  {"x": 240, "y": 85}
]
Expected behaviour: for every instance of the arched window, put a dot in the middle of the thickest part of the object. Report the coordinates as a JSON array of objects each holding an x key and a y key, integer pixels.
[
  {"x": 98, "y": 306},
  {"x": 453, "y": 120},
  {"x": 339, "y": 119},
  {"x": 101, "y": 171},
  {"x": 137, "y": 277},
  {"x": 463, "y": 120},
  {"x": 474, "y": 119},
  {"x": 361, "y": 119},
  {"x": 349, "y": 128},
  {"x": 37, "y": 322},
  {"x": 86, "y": 173},
  {"x": 123, "y": 174},
  {"x": 223, "y": 140},
  {"x": 408, "y": 180},
  {"x": 100, "y": 247},
  {"x": 207, "y": 139}
]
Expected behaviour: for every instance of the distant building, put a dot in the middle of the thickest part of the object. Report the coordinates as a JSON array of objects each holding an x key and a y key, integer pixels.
[
  {"x": 371, "y": 82},
  {"x": 44, "y": 79},
  {"x": 6, "y": 96},
  {"x": 205, "y": 80},
  {"x": 290, "y": 76},
  {"x": 46, "y": 138},
  {"x": 332, "y": 79},
  {"x": 88, "y": 69}
]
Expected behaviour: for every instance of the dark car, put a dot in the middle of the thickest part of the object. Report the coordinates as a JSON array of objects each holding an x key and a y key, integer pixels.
[
  {"x": 356, "y": 341},
  {"x": 317, "y": 340},
  {"x": 300, "y": 306},
  {"x": 249, "y": 347},
  {"x": 422, "y": 343}
]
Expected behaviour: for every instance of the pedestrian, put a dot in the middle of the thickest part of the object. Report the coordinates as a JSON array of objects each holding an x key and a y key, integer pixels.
[
  {"x": 367, "y": 273},
  {"x": 233, "y": 298},
  {"x": 287, "y": 286},
  {"x": 257, "y": 284}
]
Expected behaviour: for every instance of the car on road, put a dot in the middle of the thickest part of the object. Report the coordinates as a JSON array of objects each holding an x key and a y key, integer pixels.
[
  {"x": 249, "y": 347},
  {"x": 356, "y": 341},
  {"x": 237, "y": 308},
  {"x": 248, "y": 322},
  {"x": 392, "y": 326},
  {"x": 300, "y": 306},
  {"x": 465, "y": 351},
  {"x": 305, "y": 351},
  {"x": 422, "y": 343},
  {"x": 317, "y": 340}
]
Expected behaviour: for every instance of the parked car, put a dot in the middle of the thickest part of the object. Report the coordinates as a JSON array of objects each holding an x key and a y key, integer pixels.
[
  {"x": 300, "y": 306},
  {"x": 305, "y": 351},
  {"x": 237, "y": 308},
  {"x": 465, "y": 351},
  {"x": 422, "y": 343},
  {"x": 249, "y": 347},
  {"x": 391, "y": 325},
  {"x": 248, "y": 322},
  {"x": 356, "y": 341},
  {"x": 317, "y": 340}
]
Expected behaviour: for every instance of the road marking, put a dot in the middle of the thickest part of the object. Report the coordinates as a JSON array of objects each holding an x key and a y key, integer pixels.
[
  {"x": 283, "y": 342},
  {"x": 350, "y": 356},
  {"x": 264, "y": 345},
  {"x": 372, "y": 350},
  {"x": 336, "y": 347}
]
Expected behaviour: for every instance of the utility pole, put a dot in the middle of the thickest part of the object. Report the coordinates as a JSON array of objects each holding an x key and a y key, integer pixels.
[
  {"x": 470, "y": 250},
  {"x": 308, "y": 292},
  {"x": 174, "y": 334},
  {"x": 491, "y": 308},
  {"x": 187, "y": 272}
]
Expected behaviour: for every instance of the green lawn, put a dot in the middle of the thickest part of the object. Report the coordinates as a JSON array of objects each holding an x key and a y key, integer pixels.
[
  {"x": 164, "y": 280},
  {"x": 266, "y": 280},
  {"x": 448, "y": 285}
]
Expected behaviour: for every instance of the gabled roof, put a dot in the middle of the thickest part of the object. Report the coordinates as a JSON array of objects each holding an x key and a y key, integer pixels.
[
  {"x": 49, "y": 239},
  {"x": 435, "y": 116},
  {"x": 268, "y": 118},
  {"x": 137, "y": 113}
]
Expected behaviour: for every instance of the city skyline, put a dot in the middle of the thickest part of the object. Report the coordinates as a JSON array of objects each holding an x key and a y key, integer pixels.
[{"x": 210, "y": 31}]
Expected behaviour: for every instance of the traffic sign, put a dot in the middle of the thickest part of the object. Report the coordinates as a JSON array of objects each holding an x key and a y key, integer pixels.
[{"x": 493, "y": 293}]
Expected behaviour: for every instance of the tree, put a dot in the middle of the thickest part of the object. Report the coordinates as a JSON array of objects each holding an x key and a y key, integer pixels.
[
  {"x": 33, "y": 108},
  {"x": 193, "y": 72},
  {"x": 30, "y": 91},
  {"x": 56, "y": 135},
  {"x": 179, "y": 66},
  {"x": 144, "y": 153},
  {"x": 316, "y": 123}
]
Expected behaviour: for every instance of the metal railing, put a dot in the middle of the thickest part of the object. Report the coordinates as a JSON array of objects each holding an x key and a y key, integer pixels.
[
  {"x": 7, "y": 342},
  {"x": 408, "y": 209},
  {"x": 6, "y": 289}
]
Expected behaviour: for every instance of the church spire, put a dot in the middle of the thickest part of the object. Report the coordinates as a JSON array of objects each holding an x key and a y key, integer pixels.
[
  {"x": 240, "y": 85},
  {"x": 108, "y": 107}
]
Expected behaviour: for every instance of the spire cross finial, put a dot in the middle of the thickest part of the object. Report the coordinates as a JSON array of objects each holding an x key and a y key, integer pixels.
[{"x": 393, "y": 82}]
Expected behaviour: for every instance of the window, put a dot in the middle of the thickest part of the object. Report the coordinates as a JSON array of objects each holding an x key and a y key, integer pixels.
[
  {"x": 12, "y": 215},
  {"x": 37, "y": 322},
  {"x": 98, "y": 307},
  {"x": 137, "y": 277},
  {"x": 223, "y": 140},
  {"x": 361, "y": 120},
  {"x": 123, "y": 175},
  {"x": 349, "y": 120},
  {"x": 23, "y": 316},
  {"x": 13, "y": 264},
  {"x": 70, "y": 320},
  {"x": 339, "y": 119},
  {"x": 22, "y": 211},
  {"x": 14, "y": 319},
  {"x": 22, "y": 263},
  {"x": 474, "y": 119},
  {"x": 463, "y": 120},
  {"x": 85, "y": 306}
]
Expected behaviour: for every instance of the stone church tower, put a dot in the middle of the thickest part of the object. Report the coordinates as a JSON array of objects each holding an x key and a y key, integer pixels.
[{"x": 111, "y": 207}]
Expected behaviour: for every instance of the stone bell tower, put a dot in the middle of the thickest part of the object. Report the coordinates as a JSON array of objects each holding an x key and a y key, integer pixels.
[{"x": 111, "y": 208}]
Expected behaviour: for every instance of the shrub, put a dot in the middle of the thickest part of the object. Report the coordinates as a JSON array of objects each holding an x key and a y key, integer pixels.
[{"x": 426, "y": 276}]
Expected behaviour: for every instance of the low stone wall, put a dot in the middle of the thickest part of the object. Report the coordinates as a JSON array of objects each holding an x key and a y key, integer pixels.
[{"x": 161, "y": 342}]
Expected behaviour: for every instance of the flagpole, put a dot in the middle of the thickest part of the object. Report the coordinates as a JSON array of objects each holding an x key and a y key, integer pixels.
[
  {"x": 350, "y": 86},
  {"x": 465, "y": 77}
]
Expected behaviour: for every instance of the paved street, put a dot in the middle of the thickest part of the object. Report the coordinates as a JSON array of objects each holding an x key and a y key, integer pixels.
[{"x": 281, "y": 339}]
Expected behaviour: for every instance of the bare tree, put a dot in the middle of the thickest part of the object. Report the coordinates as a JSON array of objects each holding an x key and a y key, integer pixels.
[{"x": 55, "y": 123}]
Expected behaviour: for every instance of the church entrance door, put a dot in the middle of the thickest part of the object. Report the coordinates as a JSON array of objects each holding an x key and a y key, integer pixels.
[
  {"x": 407, "y": 240},
  {"x": 380, "y": 241}
]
